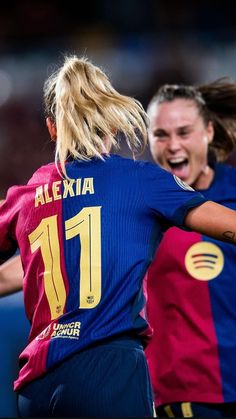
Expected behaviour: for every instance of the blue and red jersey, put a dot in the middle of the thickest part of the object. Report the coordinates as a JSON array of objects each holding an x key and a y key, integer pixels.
[
  {"x": 192, "y": 308},
  {"x": 85, "y": 244}
]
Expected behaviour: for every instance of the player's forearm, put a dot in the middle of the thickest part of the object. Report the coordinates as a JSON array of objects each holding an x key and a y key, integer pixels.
[
  {"x": 213, "y": 220},
  {"x": 11, "y": 276}
]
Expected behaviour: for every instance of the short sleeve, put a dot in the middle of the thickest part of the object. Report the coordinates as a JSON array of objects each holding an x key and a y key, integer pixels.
[{"x": 167, "y": 195}]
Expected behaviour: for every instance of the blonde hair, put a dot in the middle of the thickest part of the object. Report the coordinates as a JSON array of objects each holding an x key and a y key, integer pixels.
[{"x": 81, "y": 101}]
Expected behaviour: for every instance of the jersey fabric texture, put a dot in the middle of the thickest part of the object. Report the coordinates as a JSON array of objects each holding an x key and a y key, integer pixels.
[
  {"x": 85, "y": 244},
  {"x": 192, "y": 308}
]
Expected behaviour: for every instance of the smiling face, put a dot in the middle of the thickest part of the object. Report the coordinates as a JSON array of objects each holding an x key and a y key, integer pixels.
[{"x": 179, "y": 140}]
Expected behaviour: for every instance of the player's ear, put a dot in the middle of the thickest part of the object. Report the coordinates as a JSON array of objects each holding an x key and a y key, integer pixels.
[
  {"x": 51, "y": 128},
  {"x": 210, "y": 132}
]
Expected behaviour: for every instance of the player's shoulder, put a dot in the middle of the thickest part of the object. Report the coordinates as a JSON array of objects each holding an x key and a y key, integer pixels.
[
  {"x": 44, "y": 174},
  {"x": 227, "y": 168},
  {"x": 139, "y": 170},
  {"x": 139, "y": 164},
  {"x": 225, "y": 173}
]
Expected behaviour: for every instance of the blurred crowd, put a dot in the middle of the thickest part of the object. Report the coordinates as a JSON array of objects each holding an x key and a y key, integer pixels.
[{"x": 141, "y": 45}]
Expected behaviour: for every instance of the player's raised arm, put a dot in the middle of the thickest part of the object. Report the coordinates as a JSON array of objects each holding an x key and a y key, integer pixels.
[
  {"x": 11, "y": 276},
  {"x": 213, "y": 220}
]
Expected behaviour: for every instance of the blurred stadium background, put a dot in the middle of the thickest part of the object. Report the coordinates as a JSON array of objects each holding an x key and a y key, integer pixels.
[{"x": 141, "y": 44}]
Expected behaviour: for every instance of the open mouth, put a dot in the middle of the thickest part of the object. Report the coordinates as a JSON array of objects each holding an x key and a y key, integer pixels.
[
  {"x": 179, "y": 167},
  {"x": 177, "y": 164}
]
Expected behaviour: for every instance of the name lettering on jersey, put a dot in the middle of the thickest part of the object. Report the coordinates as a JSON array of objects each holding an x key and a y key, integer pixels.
[{"x": 71, "y": 188}]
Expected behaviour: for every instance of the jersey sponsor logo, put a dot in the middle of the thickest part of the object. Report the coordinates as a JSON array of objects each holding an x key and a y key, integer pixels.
[
  {"x": 45, "y": 333},
  {"x": 182, "y": 184},
  {"x": 67, "y": 330},
  {"x": 204, "y": 261}
]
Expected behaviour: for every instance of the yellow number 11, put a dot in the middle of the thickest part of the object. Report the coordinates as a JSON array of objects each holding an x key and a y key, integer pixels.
[{"x": 86, "y": 224}]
